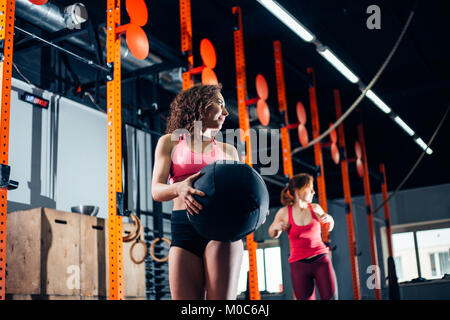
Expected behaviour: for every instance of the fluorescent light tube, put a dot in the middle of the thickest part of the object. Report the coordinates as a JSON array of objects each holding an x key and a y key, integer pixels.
[
  {"x": 423, "y": 145},
  {"x": 285, "y": 17},
  {"x": 380, "y": 104},
  {"x": 327, "y": 54},
  {"x": 405, "y": 127}
]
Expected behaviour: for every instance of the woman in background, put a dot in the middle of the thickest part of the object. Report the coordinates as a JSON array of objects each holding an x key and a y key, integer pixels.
[{"x": 309, "y": 256}]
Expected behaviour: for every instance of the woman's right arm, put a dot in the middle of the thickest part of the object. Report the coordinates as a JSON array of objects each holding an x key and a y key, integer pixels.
[
  {"x": 161, "y": 191},
  {"x": 280, "y": 223}
]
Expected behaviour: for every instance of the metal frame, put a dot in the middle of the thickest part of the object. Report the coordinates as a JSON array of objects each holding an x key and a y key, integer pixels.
[
  {"x": 7, "y": 8},
  {"x": 369, "y": 209},
  {"x": 186, "y": 41},
  {"x": 135, "y": 74},
  {"x": 321, "y": 189},
  {"x": 30, "y": 44},
  {"x": 387, "y": 212},
  {"x": 114, "y": 140},
  {"x": 244, "y": 125},
  {"x": 50, "y": 43},
  {"x": 348, "y": 201},
  {"x": 116, "y": 289},
  {"x": 282, "y": 107}
]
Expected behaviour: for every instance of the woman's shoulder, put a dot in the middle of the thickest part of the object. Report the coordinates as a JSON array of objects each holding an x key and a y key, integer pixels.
[
  {"x": 225, "y": 145},
  {"x": 227, "y": 148},
  {"x": 317, "y": 209},
  {"x": 283, "y": 212},
  {"x": 169, "y": 141}
]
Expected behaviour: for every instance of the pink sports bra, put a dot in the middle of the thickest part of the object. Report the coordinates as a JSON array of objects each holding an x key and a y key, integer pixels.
[{"x": 186, "y": 162}]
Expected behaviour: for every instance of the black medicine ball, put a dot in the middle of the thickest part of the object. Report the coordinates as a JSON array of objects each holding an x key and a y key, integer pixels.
[{"x": 235, "y": 203}]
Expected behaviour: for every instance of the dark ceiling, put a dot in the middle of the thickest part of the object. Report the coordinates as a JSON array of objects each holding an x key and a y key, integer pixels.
[{"x": 415, "y": 84}]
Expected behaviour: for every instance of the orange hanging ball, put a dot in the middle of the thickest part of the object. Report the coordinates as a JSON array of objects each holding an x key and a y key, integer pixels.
[
  {"x": 137, "y": 41},
  {"x": 209, "y": 77},
  {"x": 208, "y": 53},
  {"x": 261, "y": 87},
  {"x": 301, "y": 113},
  {"x": 302, "y": 135},
  {"x": 262, "y": 109},
  {"x": 335, "y": 153},
  {"x": 137, "y": 10}
]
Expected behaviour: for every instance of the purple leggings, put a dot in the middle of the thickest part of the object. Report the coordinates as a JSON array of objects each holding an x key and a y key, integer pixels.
[{"x": 304, "y": 273}]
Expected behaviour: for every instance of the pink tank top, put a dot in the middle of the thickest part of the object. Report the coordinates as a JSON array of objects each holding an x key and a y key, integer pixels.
[
  {"x": 186, "y": 162},
  {"x": 305, "y": 241}
]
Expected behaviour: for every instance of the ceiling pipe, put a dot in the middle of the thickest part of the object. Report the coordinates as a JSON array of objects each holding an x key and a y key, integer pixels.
[{"x": 51, "y": 17}]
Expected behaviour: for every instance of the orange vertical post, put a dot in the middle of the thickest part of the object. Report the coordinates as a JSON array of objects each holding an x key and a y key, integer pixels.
[
  {"x": 387, "y": 212},
  {"x": 7, "y": 9},
  {"x": 116, "y": 291},
  {"x": 244, "y": 125},
  {"x": 186, "y": 41},
  {"x": 348, "y": 202},
  {"x": 282, "y": 106},
  {"x": 322, "y": 194},
  {"x": 369, "y": 210}
]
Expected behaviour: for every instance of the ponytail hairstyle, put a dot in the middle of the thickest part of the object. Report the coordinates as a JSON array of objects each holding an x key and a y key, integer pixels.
[{"x": 298, "y": 181}]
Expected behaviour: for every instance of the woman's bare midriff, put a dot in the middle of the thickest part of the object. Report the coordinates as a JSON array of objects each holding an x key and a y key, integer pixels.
[{"x": 178, "y": 203}]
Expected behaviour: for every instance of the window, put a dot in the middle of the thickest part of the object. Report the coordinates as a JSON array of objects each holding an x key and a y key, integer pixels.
[
  {"x": 274, "y": 281},
  {"x": 439, "y": 262},
  {"x": 444, "y": 262},
  {"x": 404, "y": 251},
  {"x": 269, "y": 270},
  {"x": 433, "y": 264},
  {"x": 399, "y": 268},
  {"x": 433, "y": 247},
  {"x": 421, "y": 250}
]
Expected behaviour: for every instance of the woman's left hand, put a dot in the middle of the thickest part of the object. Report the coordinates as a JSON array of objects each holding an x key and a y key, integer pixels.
[{"x": 326, "y": 218}]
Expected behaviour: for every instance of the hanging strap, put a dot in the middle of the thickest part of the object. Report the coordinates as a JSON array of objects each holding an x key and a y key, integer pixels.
[
  {"x": 313, "y": 214},
  {"x": 291, "y": 218}
]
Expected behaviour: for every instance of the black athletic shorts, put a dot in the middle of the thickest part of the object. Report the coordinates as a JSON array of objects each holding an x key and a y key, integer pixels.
[{"x": 184, "y": 234}]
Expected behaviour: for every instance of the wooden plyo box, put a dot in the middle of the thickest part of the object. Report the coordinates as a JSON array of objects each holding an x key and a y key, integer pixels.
[{"x": 62, "y": 255}]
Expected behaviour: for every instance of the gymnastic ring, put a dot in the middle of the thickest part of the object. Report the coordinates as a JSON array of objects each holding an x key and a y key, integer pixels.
[
  {"x": 152, "y": 248},
  {"x": 133, "y": 235},
  {"x": 131, "y": 251}
]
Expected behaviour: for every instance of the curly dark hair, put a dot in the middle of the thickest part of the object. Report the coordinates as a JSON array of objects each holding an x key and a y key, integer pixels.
[{"x": 190, "y": 105}]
